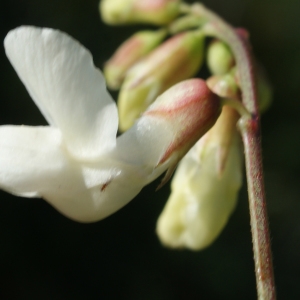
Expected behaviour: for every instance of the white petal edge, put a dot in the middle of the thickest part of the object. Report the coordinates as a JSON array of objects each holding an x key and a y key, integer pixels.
[
  {"x": 33, "y": 163},
  {"x": 60, "y": 76}
]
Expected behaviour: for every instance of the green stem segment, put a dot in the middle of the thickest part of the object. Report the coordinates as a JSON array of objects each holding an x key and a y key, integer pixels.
[
  {"x": 238, "y": 106},
  {"x": 250, "y": 130}
]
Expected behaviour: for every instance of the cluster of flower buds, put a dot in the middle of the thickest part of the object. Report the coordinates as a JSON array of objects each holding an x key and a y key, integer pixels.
[
  {"x": 208, "y": 178},
  {"x": 175, "y": 60},
  {"x": 144, "y": 66}
]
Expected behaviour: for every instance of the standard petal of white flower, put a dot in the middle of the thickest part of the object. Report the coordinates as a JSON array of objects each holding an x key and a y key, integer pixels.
[
  {"x": 33, "y": 163},
  {"x": 201, "y": 200},
  {"x": 60, "y": 76},
  {"x": 71, "y": 163}
]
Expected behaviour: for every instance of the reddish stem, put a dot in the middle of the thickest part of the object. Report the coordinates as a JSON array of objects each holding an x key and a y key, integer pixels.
[
  {"x": 258, "y": 210},
  {"x": 250, "y": 130}
]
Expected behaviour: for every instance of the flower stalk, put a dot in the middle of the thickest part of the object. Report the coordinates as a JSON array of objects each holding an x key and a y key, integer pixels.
[{"x": 251, "y": 136}]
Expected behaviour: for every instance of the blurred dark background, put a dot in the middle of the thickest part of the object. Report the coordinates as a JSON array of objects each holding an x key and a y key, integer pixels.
[{"x": 43, "y": 255}]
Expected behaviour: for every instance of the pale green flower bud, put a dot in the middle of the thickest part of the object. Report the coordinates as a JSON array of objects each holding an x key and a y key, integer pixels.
[
  {"x": 224, "y": 85},
  {"x": 219, "y": 58},
  {"x": 157, "y": 12},
  {"x": 131, "y": 51},
  {"x": 204, "y": 188},
  {"x": 175, "y": 60}
]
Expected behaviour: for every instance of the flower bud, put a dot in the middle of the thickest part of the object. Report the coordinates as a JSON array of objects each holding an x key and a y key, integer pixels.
[
  {"x": 224, "y": 86},
  {"x": 157, "y": 12},
  {"x": 132, "y": 50},
  {"x": 175, "y": 60},
  {"x": 219, "y": 58},
  {"x": 204, "y": 188},
  {"x": 188, "y": 110}
]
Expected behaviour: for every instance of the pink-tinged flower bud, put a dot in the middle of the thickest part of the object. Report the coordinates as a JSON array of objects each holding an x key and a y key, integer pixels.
[
  {"x": 184, "y": 113},
  {"x": 175, "y": 60},
  {"x": 219, "y": 58},
  {"x": 157, "y": 12},
  {"x": 132, "y": 50}
]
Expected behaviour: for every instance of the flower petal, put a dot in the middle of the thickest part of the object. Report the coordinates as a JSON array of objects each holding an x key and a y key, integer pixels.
[
  {"x": 33, "y": 163},
  {"x": 60, "y": 76},
  {"x": 30, "y": 159},
  {"x": 201, "y": 201},
  {"x": 144, "y": 144}
]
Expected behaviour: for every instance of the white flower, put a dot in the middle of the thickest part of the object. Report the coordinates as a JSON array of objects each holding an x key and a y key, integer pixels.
[
  {"x": 74, "y": 163},
  {"x": 204, "y": 189},
  {"x": 77, "y": 164}
]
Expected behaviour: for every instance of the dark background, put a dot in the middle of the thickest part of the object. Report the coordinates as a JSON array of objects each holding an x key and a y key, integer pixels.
[{"x": 43, "y": 255}]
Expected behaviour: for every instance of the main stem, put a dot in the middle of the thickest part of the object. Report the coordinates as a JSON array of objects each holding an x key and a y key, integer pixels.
[
  {"x": 250, "y": 130},
  {"x": 258, "y": 210}
]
